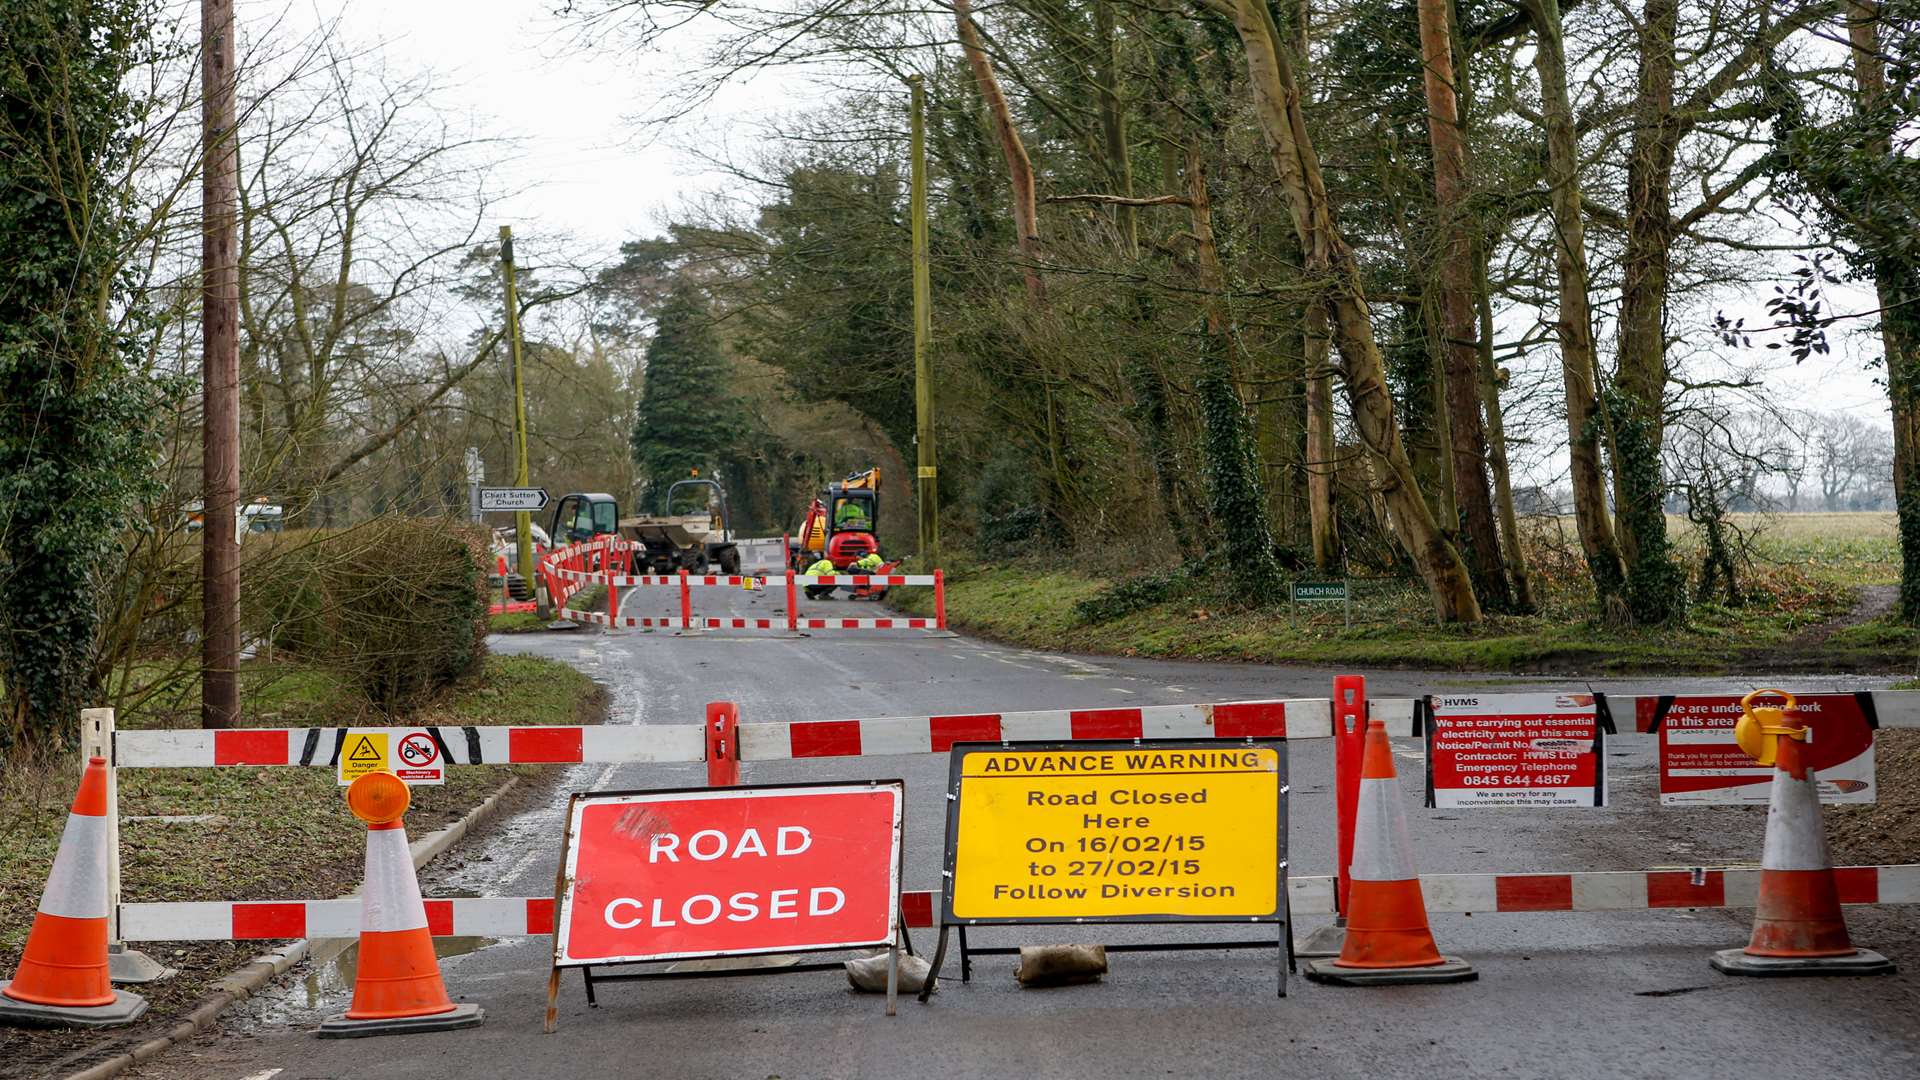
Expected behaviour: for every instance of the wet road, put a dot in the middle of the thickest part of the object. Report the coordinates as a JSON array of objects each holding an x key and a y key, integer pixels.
[{"x": 1576, "y": 995}]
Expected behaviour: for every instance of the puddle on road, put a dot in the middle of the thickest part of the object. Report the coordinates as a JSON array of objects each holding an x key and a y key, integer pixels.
[{"x": 331, "y": 983}]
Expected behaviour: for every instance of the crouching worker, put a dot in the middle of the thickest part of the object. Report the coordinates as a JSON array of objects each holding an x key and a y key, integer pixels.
[{"x": 821, "y": 592}]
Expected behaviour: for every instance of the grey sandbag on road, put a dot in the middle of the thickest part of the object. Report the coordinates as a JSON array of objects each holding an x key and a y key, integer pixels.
[
  {"x": 868, "y": 974},
  {"x": 1060, "y": 965}
]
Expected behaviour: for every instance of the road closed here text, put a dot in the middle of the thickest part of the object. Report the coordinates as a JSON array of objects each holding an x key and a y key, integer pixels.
[
  {"x": 1116, "y": 834},
  {"x": 731, "y": 872}
]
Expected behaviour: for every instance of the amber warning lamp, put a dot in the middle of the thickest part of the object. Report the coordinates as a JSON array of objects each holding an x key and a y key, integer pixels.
[
  {"x": 378, "y": 798},
  {"x": 1759, "y": 724}
]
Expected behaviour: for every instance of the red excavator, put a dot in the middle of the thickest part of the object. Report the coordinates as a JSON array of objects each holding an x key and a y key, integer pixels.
[{"x": 843, "y": 526}]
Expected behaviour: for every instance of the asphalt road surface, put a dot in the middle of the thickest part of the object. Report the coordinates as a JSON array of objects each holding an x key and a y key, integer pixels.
[{"x": 1575, "y": 995}]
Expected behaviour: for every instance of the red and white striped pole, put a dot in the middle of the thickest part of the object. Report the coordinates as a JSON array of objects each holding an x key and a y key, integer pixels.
[
  {"x": 686, "y": 602},
  {"x": 940, "y": 599},
  {"x": 793, "y": 602}
]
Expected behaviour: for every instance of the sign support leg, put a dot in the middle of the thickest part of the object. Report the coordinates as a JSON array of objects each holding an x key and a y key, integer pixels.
[
  {"x": 559, "y": 893},
  {"x": 933, "y": 969},
  {"x": 893, "y": 978}
]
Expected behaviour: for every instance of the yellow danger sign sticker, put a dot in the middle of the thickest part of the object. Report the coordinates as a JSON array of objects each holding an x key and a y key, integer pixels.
[
  {"x": 1104, "y": 833},
  {"x": 363, "y": 752}
]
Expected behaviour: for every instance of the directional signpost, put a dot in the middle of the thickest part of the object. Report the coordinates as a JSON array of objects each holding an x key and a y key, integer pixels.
[{"x": 510, "y": 500}]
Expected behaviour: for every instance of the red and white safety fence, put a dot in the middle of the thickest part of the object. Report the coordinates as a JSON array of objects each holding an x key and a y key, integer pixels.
[
  {"x": 604, "y": 562},
  {"x": 1681, "y": 889},
  {"x": 609, "y": 744},
  {"x": 617, "y": 744}
]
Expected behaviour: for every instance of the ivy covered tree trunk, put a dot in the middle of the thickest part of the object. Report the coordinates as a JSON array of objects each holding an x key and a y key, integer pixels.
[
  {"x": 1641, "y": 376},
  {"x": 74, "y": 415},
  {"x": 1896, "y": 278},
  {"x": 1239, "y": 508}
]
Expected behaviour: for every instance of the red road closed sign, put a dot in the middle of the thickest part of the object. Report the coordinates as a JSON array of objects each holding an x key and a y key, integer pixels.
[
  {"x": 1701, "y": 764},
  {"x": 668, "y": 875}
]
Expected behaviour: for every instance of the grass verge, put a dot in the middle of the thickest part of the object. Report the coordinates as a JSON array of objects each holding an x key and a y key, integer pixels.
[
  {"x": 1037, "y": 605},
  {"x": 246, "y": 833},
  {"x": 516, "y": 622}
]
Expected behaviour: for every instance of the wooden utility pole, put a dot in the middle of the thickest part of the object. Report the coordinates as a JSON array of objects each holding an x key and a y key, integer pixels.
[
  {"x": 220, "y": 374},
  {"x": 522, "y": 521},
  {"x": 929, "y": 478}
]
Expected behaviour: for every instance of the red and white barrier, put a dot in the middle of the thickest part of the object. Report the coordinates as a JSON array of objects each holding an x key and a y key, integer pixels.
[
  {"x": 1460, "y": 894},
  {"x": 937, "y": 734},
  {"x": 547, "y": 745},
  {"x": 567, "y": 570}
]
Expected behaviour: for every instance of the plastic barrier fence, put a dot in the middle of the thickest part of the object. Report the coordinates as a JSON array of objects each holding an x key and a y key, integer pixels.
[
  {"x": 1692, "y": 888},
  {"x": 606, "y": 562}
]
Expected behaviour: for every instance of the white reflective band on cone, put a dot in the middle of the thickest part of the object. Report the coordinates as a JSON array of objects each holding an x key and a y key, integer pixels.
[
  {"x": 1795, "y": 838},
  {"x": 390, "y": 899},
  {"x": 77, "y": 887},
  {"x": 1381, "y": 850}
]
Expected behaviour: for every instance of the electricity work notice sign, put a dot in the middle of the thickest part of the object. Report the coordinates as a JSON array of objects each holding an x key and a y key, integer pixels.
[
  {"x": 415, "y": 755},
  {"x": 1122, "y": 831},
  {"x": 707, "y": 872},
  {"x": 1536, "y": 750},
  {"x": 1700, "y": 764}
]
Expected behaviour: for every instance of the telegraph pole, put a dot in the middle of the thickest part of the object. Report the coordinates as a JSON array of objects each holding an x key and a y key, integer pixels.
[
  {"x": 929, "y": 483},
  {"x": 522, "y": 521},
  {"x": 219, "y": 374}
]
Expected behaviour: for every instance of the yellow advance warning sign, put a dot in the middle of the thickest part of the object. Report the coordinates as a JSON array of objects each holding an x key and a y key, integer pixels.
[
  {"x": 363, "y": 752},
  {"x": 1106, "y": 834}
]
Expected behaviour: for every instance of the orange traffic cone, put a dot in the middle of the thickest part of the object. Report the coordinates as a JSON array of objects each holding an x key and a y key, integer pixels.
[
  {"x": 62, "y": 980},
  {"x": 1797, "y": 925},
  {"x": 397, "y": 986},
  {"x": 1387, "y": 939}
]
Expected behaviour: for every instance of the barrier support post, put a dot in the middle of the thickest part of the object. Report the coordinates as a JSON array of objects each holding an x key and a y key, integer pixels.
[
  {"x": 723, "y": 744},
  {"x": 793, "y": 602},
  {"x": 686, "y": 602},
  {"x": 1349, "y": 714},
  {"x": 124, "y": 965},
  {"x": 613, "y": 594},
  {"x": 940, "y": 599}
]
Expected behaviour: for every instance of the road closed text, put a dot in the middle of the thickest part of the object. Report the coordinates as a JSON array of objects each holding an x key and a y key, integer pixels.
[
  {"x": 1143, "y": 833},
  {"x": 731, "y": 871}
]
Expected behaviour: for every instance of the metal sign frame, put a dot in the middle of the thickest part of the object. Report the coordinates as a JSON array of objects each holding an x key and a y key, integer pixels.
[
  {"x": 563, "y": 900},
  {"x": 1281, "y": 916}
]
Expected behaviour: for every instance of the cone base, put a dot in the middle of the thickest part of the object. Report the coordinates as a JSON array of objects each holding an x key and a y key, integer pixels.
[
  {"x": 1450, "y": 969},
  {"x": 1740, "y": 962},
  {"x": 124, "y": 1009},
  {"x": 131, "y": 967},
  {"x": 462, "y": 1016},
  {"x": 1326, "y": 941}
]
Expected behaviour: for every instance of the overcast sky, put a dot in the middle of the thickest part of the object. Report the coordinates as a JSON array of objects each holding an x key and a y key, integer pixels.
[{"x": 581, "y": 169}]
